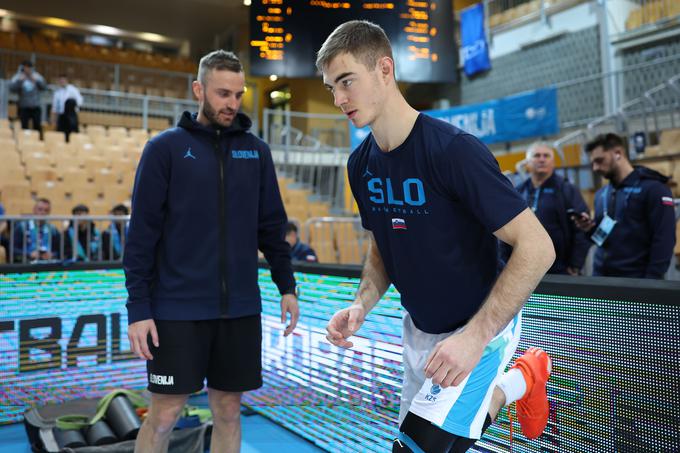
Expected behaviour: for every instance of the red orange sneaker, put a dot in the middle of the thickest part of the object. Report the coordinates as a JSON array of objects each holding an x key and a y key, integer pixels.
[{"x": 533, "y": 408}]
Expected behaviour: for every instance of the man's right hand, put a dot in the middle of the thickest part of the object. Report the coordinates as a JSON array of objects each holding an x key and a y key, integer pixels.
[
  {"x": 583, "y": 222},
  {"x": 138, "y": 332},
  {"x": 344, "y": 324}
]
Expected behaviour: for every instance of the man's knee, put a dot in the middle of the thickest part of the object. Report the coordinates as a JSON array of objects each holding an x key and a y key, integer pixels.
[
  {"x": 163, "y": 420},
  {"x": 165, "y": 411},
  {"x": 225, "y": 406}
]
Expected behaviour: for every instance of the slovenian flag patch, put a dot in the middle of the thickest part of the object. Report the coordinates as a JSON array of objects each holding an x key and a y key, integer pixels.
[
  {"x": 398, "y": 224},
  {"x": 666, "y": 201}
]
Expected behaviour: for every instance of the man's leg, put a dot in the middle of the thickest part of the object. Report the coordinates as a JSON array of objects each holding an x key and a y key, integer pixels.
[
  {"x": 226, "y": 410},
  {"x": 24, "y": 117},
  {"x": 154, "y": 435},
  {"x": 450, "y": 419},
  {"x": 176, "y": 371},
  {"x": 235, "y": 367},
  {"x": 525, "y": 383},
  {"x": 37, "y": 120},
  {"x": 497, "y": 402}
]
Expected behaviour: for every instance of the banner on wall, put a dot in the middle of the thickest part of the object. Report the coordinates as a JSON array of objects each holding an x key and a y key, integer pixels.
[
  {"x": 474, "y": 49},
  {"x": 525, "y": 115}
]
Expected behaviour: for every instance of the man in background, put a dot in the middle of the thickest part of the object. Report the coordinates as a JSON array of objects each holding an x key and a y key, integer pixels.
[
  {"x": 634, "y": 224},
  {"x": 36, "y": 240},
  {"x": 28, "y": 84},
  {"x": 65, "y": 104},
  {"x": 299, "y": 251},
  {"x": 554, "y": 200}
]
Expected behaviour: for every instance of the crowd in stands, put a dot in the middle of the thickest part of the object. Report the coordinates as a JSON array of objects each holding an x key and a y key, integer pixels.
[{"x": 37, "y": 240}]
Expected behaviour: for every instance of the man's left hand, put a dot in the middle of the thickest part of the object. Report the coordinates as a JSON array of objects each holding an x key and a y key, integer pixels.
[
  {"x": 454, "y": 358},
  {"x": 289, "y": 304}
]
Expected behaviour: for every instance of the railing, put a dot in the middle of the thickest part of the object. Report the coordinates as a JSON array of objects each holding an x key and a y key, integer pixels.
[
  {"x": 24, "y": 240},
  {"x": 311, "y": 149},
  {"x": 657, "y": 109},
  {"x": 119, "y": 76},
  {"x": 127, "y": 109},
  {"x": 335, "y": 239}
]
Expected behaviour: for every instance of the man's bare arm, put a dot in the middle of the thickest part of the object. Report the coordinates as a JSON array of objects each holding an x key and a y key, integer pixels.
[
  {"x": 374, "y": 279},
  {"x": 532, "y": 255},
  {"x": 453, "y": 358},
  {"x": 374, "y": 283}
]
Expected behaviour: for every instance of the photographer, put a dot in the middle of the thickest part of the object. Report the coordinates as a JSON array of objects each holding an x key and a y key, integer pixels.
[{"x": 28, "y": 84}]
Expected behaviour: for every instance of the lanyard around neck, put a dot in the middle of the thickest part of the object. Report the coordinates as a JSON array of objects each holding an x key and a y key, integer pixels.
[{"x": 537, "y": 194}]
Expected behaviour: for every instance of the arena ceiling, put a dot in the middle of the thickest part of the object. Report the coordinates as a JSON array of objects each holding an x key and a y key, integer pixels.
[{"x": 201, "y": 22}]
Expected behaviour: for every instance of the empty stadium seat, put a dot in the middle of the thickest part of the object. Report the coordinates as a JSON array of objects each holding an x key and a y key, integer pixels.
[{"x": 669, "y": 142}]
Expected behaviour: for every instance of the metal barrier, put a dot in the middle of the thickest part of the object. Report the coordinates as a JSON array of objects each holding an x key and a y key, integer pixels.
[
  {"x": 113, "y": 108},
  {"x": 43, "y": 239},
  {"x": 656, "y": 110},
  {"x": 143, "y": 97},
  {"x": 311, "y": 150},
  {"x": 117, "y": 77},
  {"x": 32, "y": 239}
]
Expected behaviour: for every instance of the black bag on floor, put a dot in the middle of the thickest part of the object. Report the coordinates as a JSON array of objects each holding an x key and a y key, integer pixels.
[{"x": 44, "y": 436}]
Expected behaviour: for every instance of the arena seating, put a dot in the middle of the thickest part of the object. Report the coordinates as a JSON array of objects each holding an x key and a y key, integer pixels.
[
  {"x": 86, "y": 73},
  {"x": 96, "y": 168},
  {"x": 651, "y": 12}
]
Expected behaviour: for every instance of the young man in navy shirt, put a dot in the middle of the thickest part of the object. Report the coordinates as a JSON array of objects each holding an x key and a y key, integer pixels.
[
  {"x": 634, "y": 225},
  {"x": 433, "y": 198}
]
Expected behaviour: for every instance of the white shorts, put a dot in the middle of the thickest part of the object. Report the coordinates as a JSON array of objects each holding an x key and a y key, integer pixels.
[{"x": 460, "y": 410}]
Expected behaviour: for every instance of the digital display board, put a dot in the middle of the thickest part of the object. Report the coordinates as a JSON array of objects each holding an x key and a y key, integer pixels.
[
  {"x": 614, "y": 385},
  {"x": 63, "y": 335},
  {"x": 286, "y": 34}
]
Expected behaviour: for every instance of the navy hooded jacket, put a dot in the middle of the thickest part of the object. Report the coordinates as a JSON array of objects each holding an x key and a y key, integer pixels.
[
  {"x": 550, "y": 203},
  {"x": 204, "y": 201},
  {"x": 641, "y": 244}
]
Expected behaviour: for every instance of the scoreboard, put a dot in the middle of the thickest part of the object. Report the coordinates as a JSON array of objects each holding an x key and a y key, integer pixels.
[{"x": 286, "y": 34}]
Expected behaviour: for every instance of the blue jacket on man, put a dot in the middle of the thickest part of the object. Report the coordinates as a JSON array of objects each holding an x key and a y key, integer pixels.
[
  {"x": 641, "y": 243},
  {"x": 204, "y": 201},
  {"x": 550, "y": 203},
  {"x": 303, "y": 252}
]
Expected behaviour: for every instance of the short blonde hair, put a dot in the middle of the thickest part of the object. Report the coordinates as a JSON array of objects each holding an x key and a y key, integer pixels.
[{"x": 364, "y": 40}]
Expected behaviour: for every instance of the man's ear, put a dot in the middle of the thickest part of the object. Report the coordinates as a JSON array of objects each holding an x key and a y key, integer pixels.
[{"x": 197, "y": 88}]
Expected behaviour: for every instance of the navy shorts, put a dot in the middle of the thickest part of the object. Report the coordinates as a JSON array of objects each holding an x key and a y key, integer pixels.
[{"x": 226, "y": 352}]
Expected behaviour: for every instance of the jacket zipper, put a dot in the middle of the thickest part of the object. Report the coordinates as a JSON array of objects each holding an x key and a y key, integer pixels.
[{"x": 223, "y": 231}]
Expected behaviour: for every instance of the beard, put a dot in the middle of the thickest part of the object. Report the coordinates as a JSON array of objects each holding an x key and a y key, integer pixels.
[{"x": 214, "y": 116}]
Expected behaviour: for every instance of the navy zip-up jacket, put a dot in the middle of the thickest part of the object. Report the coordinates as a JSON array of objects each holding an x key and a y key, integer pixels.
[
  {"x": 641, "y": 244},
  {"x": 550, "y": 203},
  {"x": 204, "y": 201}
]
